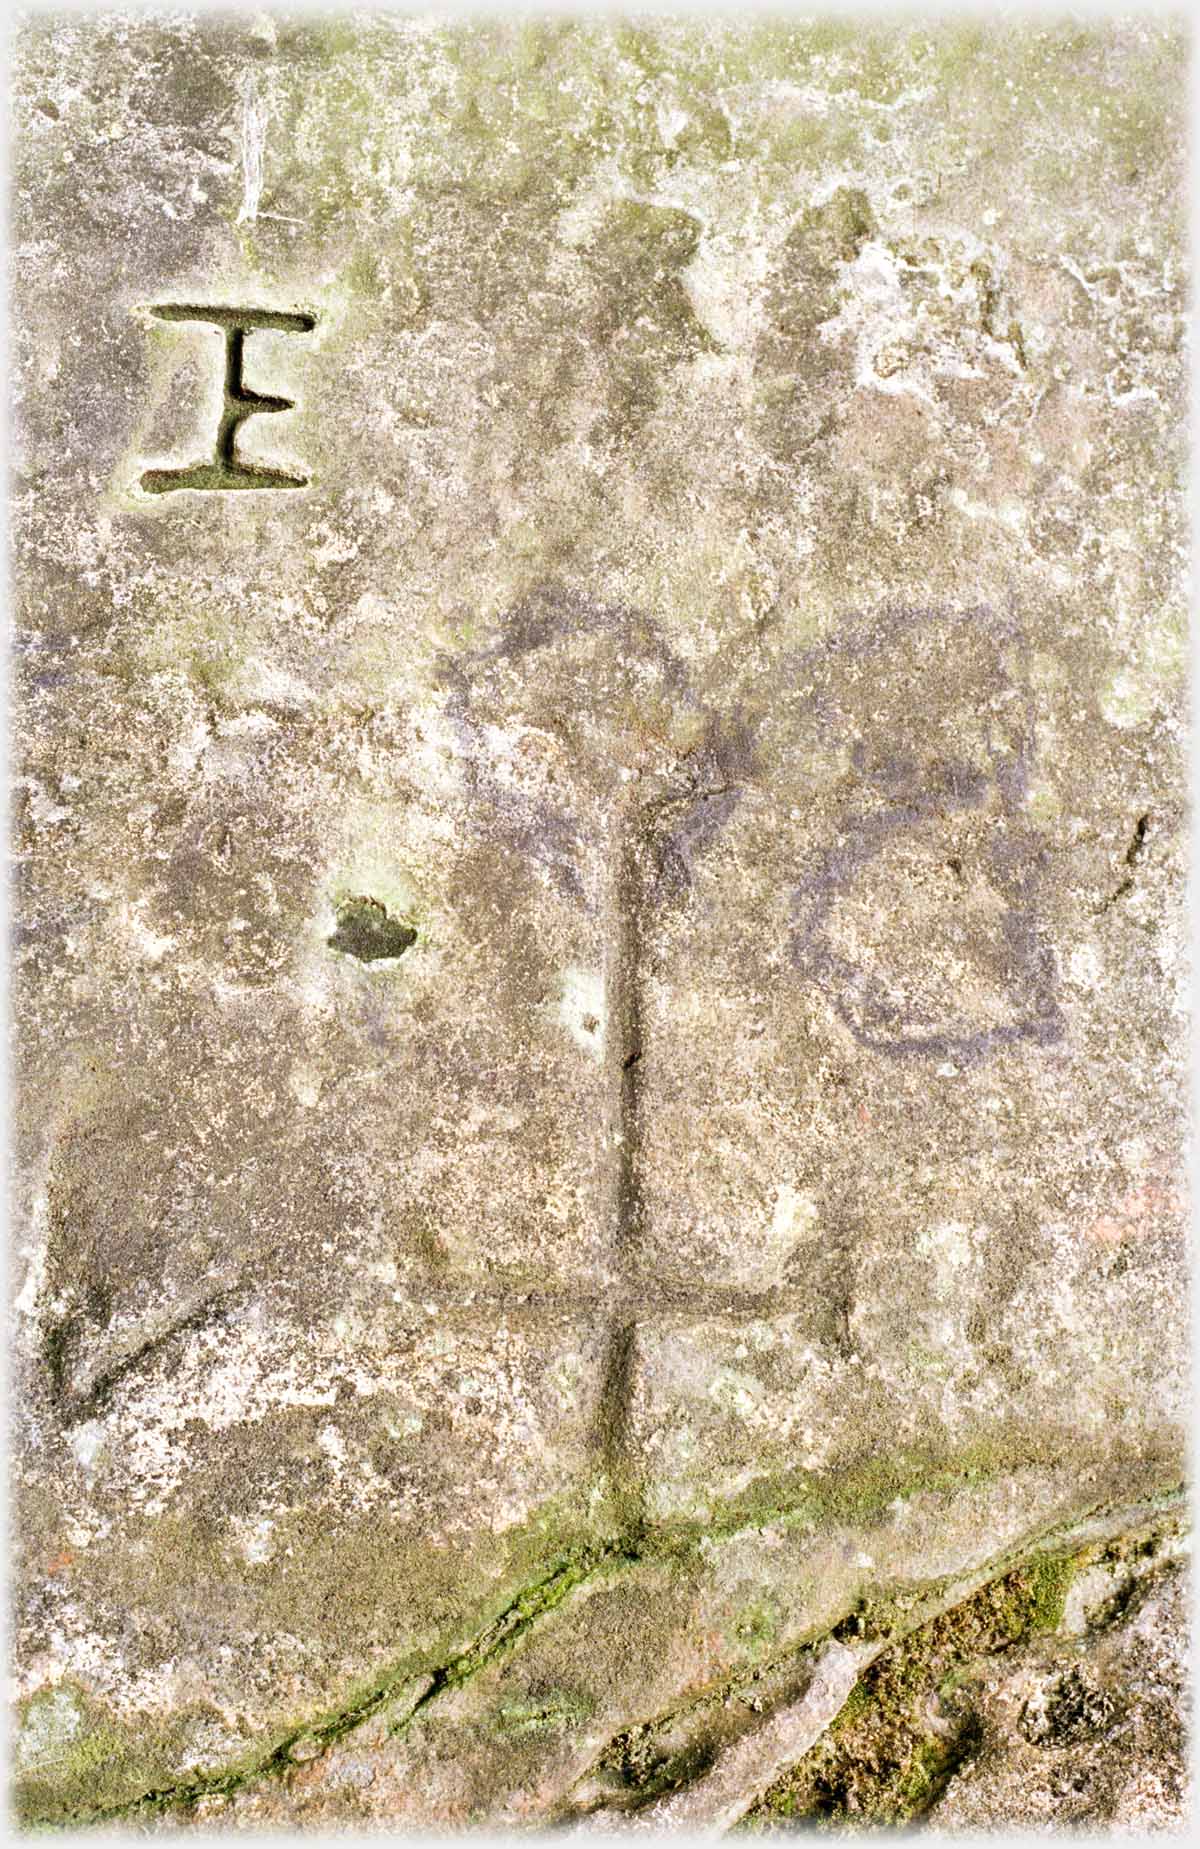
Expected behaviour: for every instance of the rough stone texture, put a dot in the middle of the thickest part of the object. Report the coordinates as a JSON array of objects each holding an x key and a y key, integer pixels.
[
  {"x": 1098, "y": 1742},
  {"x": 1053, "y": 1700},
  {"x": 599, "y": 989}
]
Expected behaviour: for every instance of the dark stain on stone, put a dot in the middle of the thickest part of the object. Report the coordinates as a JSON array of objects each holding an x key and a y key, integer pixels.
[
  {"x": 858, "y": 997},
  {"x": 904, "y": 791},
  {"x": 552, "y": 613},
  {"x": 365, "y": 931},
  {"x": 718, "y": 771}
]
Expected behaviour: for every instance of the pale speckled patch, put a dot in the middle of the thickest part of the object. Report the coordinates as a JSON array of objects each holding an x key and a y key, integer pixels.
[{"x": 581, "y": 1009}]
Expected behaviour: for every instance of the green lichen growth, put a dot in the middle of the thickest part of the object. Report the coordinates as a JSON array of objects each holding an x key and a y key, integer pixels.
[
  {"x": 1043, "y": 1594},
  {"x": 882, "y": 1762},
  {"x": 558, "y": 1711},
  {"x": 859, "y": 1491},
  {"x": 71, "y": 1762},
  {"x": 755, "y": 1627}
]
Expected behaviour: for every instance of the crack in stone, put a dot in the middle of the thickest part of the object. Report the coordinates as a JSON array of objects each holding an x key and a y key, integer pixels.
[
  {"x": 1133, "y": 855},
  {"x": 496, "y": 1640}
]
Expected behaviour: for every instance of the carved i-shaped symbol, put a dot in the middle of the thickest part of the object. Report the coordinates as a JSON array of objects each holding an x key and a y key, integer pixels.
[{"x": 226, "y": 470}]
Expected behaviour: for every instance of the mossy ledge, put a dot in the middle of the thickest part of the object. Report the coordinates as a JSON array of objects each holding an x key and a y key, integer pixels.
[
  {"x": 1019, "y": 1597},
  {"x": 1044, "y": 1563},
  {"x": 495, "y": 1640}
]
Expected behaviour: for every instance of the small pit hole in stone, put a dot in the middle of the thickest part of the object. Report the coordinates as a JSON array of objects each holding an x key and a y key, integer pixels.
[
  {"x": 365, "y": 931},
  {"x": 590, "y": 1023}
]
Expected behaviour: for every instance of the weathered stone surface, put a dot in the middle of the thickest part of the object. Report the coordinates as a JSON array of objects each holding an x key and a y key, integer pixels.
[
  {"x": 1054, "y": 1700},
  {"x": 599, "y": 964},
  {"x": 1100, "y": 1741}
]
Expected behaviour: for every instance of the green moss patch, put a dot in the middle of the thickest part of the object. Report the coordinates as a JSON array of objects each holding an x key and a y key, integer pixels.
[{"x": 907, "y": 1726}]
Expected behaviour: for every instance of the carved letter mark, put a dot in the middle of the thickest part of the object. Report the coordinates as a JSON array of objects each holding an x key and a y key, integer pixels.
[{"x": 225, "y": 470}]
